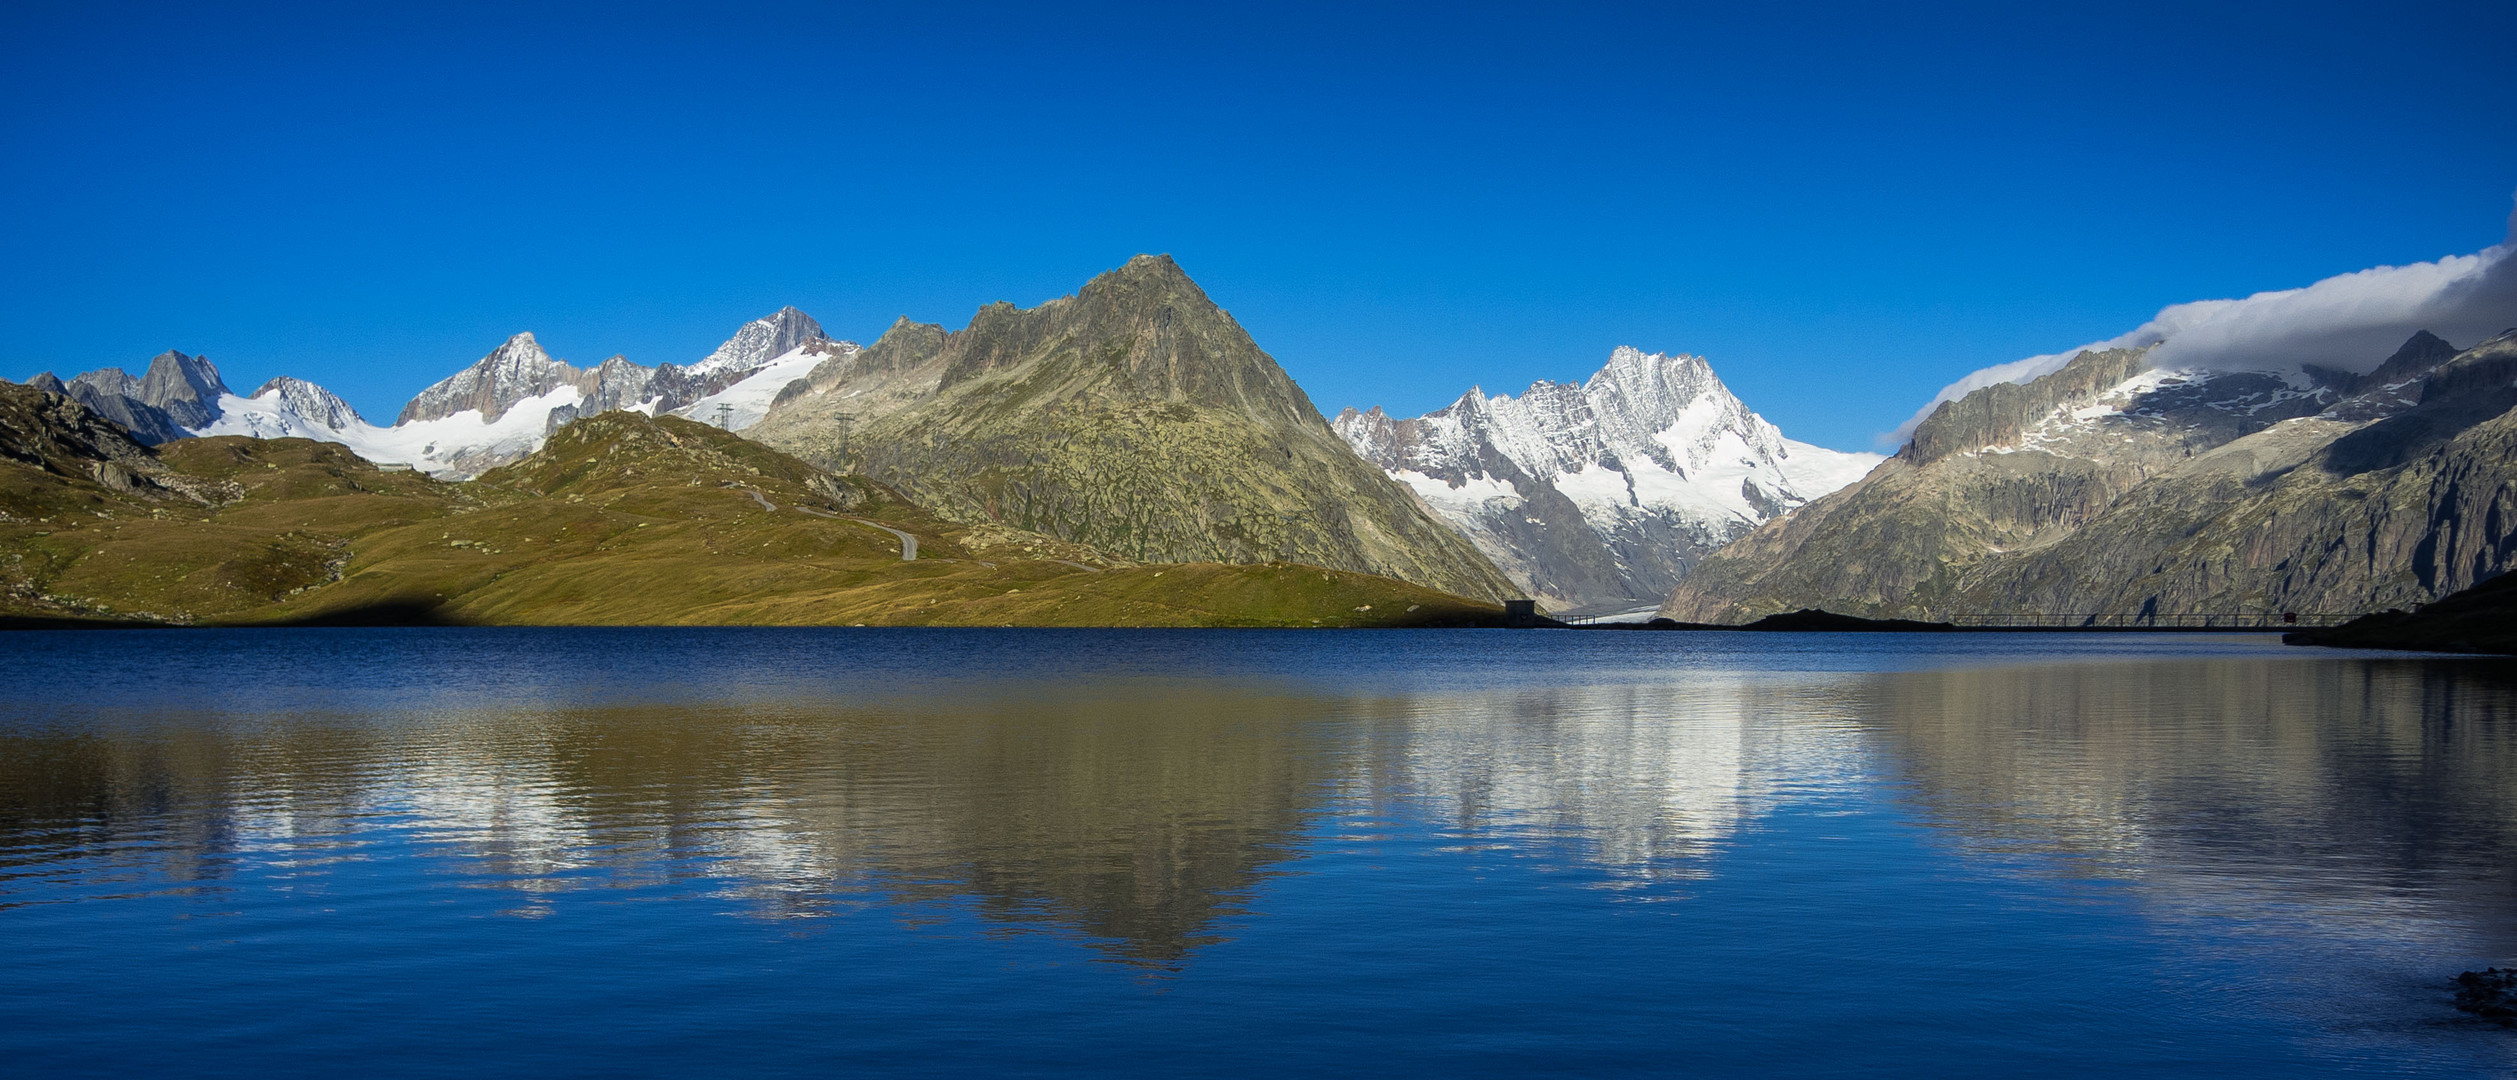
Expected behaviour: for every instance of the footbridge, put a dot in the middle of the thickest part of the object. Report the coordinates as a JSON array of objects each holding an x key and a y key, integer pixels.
[{"x": 2099, "y": 620}]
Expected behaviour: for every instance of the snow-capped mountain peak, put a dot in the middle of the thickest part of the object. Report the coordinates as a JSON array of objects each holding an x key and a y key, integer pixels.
[
  {"x": 311, "y": 402},
  {"x": 1599, "y": 495},
  {"x": 511, "y": 373},
  {"x": 761, "y": 341},
  {"x": 495, "y": 410}
]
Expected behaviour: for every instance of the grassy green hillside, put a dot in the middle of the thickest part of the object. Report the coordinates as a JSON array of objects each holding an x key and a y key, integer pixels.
[{"x": 621, "y": 519}]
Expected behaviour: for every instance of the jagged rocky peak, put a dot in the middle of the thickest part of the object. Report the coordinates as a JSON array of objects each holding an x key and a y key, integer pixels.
[
  {"x": 513, "y": 372},
  {"x": 763, "y": 340},
  {"x": 186, "y": 387},
  {"x": 1600, "y": 495},
  {"x": 309, "y": 401}
]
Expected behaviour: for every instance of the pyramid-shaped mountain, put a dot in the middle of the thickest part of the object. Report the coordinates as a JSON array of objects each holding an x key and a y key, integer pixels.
[{"x": 1135, "y": 416}]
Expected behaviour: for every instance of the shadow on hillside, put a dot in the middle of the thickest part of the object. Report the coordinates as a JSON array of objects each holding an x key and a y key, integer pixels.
[{"x": 389, "y": 613}]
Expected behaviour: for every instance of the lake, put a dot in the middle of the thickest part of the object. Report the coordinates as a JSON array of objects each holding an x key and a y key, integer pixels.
[{"x": 783, "y": 852}]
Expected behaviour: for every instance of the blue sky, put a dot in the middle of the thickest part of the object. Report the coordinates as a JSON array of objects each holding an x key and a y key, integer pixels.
[{"x": 1843, "y": 207}]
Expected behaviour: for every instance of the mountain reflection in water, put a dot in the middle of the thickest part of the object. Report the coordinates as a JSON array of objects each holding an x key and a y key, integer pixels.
[
  {"x": 1133, "y": 819},
  {"x": 1159, "y": 800},
  {"x": 2364, "y": 799}
]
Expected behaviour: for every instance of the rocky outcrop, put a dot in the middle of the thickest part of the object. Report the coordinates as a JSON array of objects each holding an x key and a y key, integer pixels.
[
  {"x": 1135, "y": 416},
  {"x": 47, "y": 430},
  {"x": 1600, "y": 496},
  {"x": 2165, "y": 492},
  {"x": 60, "y": 435}
]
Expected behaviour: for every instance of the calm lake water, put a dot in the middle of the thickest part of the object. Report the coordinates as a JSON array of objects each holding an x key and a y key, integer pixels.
[{"x": 774, "y": 852}]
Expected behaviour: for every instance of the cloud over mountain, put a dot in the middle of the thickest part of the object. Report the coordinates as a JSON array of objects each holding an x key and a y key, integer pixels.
[{"x": 2348, "y": 322}]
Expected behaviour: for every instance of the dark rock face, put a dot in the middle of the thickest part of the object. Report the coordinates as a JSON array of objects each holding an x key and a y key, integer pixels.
[
  {"x": 2482, "y": 619},
  {"x": 1134, "y": 416},
  {"x": 2107, "y": 488}
]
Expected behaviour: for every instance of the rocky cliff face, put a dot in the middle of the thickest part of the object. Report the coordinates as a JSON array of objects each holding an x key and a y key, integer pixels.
[
  {"x": 1599, "y": 497},
  {"x": 177, "y": 393},
  {"x": 1135, "y": 416},
  {"x": 2113, "y": 487}
]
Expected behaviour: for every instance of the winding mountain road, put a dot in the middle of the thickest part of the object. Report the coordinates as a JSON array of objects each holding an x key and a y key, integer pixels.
[{"x": 908, "y": 543}]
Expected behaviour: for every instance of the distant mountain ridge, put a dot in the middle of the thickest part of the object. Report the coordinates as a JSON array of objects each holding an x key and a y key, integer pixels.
[
  {"x": 1600, "y": 496},
  {"x": 491, "y": 412}
]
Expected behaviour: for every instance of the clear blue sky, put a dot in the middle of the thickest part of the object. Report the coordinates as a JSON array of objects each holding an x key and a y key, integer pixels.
[{"x": 1843, "y": 207}]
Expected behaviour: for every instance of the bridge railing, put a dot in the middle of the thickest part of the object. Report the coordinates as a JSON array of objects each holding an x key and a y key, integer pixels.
[
  {"x": 2110, "y": 620},
  {"x": 2157, "y": 620}
]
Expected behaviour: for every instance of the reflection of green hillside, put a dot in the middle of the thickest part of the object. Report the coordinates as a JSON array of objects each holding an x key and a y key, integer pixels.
[
  {"x": 1134, "y": 818},
  {"x": 2329, "y": 783}
]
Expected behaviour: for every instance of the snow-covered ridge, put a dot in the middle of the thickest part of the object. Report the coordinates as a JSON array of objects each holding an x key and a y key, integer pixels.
[
  {"x": 496, "y": 410},
  {"x": 461, "y": 445},
  {"x": 1653, "y": 458}
]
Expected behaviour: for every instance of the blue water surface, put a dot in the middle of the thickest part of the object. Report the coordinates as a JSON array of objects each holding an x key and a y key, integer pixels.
[{"x": 568, "y": 852}]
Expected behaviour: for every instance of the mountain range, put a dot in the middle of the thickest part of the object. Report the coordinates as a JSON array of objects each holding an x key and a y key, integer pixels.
[
  {"x": 492, "y": 412},
  {"x": 620, "y": 518},
  {"x": 2220, "y": 460}
]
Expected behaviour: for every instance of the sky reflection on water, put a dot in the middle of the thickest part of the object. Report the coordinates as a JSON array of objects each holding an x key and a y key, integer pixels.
[{"x": 1089, "y": 851}]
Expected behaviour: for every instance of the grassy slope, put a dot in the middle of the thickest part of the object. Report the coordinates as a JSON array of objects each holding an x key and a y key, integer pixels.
[{"x": 622, "y": 519}]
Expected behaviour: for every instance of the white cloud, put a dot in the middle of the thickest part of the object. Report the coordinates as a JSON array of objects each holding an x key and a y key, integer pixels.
[{"x": 2350, "y": 322}]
